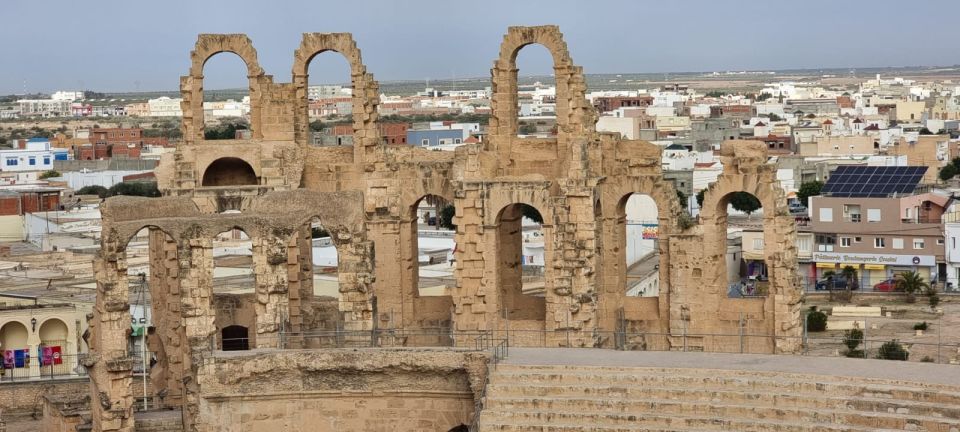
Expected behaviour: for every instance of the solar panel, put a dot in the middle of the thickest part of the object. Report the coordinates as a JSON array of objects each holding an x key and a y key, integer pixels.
[{"x": 870, "y": 181}]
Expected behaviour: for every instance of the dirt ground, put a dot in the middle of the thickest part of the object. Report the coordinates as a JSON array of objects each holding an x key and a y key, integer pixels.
[{"x": 943, "y": 328}]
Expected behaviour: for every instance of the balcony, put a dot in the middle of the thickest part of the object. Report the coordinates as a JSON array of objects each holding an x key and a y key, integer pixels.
[
  {"x": 855, "y": 218},
  {"x": 920, "y": 220}
]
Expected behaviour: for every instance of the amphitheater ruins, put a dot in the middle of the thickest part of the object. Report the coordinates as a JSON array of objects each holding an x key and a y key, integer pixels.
[{"x": 273, "y": 185}]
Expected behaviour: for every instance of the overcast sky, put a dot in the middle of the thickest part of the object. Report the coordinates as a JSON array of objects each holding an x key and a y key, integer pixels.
[{"x": 128, "y": 45}]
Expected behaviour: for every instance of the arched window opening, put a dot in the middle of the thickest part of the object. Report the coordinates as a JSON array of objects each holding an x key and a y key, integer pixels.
[
  {"x": 641, "y": 234},
  {"x": 330, "y": 100},
  {"x": 536, "y": 93},
  {"x": 233, "y": 263},
  {"x": 325, "y": 262},
  {"x": 521, "y": 264},
  {"x": 235, "y": 338},
  {"x": 16, "y": 353},
  {"x": 229, "y": 171},
  {"x": 151, "y": 256},
  {"x": 53, "y": 347},
  {"x": 226, "y": 98},
  {"x": 745, "y": 256},
  {"x": 432, "y": 245}
]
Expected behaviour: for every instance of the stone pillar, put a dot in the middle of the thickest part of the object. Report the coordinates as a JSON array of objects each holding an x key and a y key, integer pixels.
[
  {"x": 109, "y": 366},
  {"x": 196, "y": 297},
  {"x": 270, "y": 261}
]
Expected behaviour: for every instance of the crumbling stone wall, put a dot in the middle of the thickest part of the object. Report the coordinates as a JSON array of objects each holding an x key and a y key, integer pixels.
[{"x": 366, "y": 195}]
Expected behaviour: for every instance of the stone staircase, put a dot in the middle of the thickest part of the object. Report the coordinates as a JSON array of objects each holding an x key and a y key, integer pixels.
[{"x": 614, "y": 399}]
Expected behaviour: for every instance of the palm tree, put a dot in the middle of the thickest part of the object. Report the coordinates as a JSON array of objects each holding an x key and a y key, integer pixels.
[
  {"x": 437, "y": 202},
  {"x": 850, "y": 274},
  {"x": 911, "y": 282}
]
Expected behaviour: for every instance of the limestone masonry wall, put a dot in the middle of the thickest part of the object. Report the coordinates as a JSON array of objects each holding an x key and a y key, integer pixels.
[{"x": 273, "y": 185}]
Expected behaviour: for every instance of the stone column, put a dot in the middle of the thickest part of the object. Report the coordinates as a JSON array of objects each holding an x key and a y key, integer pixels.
[
  {"x": 199, "y": 329},
  {"x": 109, "y": 366},
  {"x": 270, "y": 260}
]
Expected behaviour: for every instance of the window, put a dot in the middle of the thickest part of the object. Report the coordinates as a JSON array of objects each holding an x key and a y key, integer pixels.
[
  {"x": 918, "y": 243},
  {"x": 424, "y": 142},
  {"x": 826, "y": 215},
  {"x": 857, "y": 239},
  {"x": 32, "y": 160},
  {"x": 844, "y": 241},
  {"x": 11, "y": 161},
  {"x": 953, "y": 242},
  {"x": 758, "y": 244},
  {"x": 457, "y": 141},
  {"x": 939, "y": 242},
  {"x": 873, "y": 215},
  {"x": 878, "y": 242},
  {"x": 46, "y": 160},
  {"x": 898, "y": 243},
  {"x": 906, "y": 213}
]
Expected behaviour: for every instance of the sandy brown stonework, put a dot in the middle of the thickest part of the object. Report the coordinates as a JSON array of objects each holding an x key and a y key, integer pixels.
[{"x": 366, "y": 196}]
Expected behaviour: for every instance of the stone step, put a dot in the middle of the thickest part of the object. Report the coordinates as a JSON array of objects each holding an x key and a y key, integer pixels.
[
  {"x": 562, "y": 422},
  {"x": 618, "y": 411},
  {"x": 698, "y": 372},
  {"x": 754, "y": 398},
  {"x": 799, "y": 385}
]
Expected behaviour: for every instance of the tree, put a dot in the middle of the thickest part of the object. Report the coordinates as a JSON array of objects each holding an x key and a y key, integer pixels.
[
  {"x": 911, "y": 283},
  {"x": 893, "y": 350},
  {"x": 318, "y": 232},
  {"x": 145, "y": 189},
  {"x": 97, "y": 190},
  {"x": 527, "y": 129},
  {"x": 925, "y": 131},
  {"x": 700, "y": 197},
  {"x": 716, "y": 93},
  {"x": 763, "y": 96},
  {"x": 948, "y": 172},
  {"x": 682, "y": 197},
  {"x": 49, "y": 174},
  {"x": 446, "y": 217},
  {"x": 816, "y": 320},
  {"x": 774, "y": 117},
  {"x": 850, "y": 274},
  {"x": 852, "y": 339},
  {"x": 745, "y": 202},
  {"x": 809, "y": 189}
]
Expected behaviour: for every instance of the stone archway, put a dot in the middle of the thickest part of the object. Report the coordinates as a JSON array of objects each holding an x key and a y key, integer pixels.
[{"x": 229, "y": 171}]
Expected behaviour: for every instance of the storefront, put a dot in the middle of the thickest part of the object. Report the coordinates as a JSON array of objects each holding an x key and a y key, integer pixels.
[{"x": 876, "y": 268}]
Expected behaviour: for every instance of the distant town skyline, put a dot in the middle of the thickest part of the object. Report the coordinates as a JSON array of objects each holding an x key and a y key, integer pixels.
[{"x": 140, "y": 46}]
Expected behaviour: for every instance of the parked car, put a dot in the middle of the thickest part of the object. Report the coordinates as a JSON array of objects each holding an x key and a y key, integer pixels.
[
  {"x": 837, "y": 282},
  {"x": 797, "y": 208},
  {"x": 888, "y": 285}
]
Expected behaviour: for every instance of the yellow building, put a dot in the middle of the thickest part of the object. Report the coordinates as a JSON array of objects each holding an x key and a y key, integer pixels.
[{"x": 39, "y": 340}]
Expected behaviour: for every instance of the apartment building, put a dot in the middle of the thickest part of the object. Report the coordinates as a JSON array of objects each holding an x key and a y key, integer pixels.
[{"x": 876, "y": 220}]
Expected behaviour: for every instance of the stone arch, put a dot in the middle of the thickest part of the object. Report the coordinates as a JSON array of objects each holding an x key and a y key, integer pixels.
[
  {"x": 53, "y": 330},
  {"x": 571, "y": 87},
  {"x": 509, "y": 265},
  {"x": 414, "y": 243},
  {"x": 128, "y": 234},
  {"x": 366, "y": 95},
  {"x": 235, "y": 338},
  {"x": 14, "y": 334},
  {"x": 229, "y": 171},
  {"x": 191, "y": 86}
]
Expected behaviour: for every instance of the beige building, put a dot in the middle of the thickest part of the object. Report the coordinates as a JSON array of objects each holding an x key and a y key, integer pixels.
[
  {"x": 880, "y": 237},
  {"x": 931, "y": 151},
  {"x": 39, "y": 340},
  {"x": 909, "y": 111},
  {"x": 837, "y": 146}
]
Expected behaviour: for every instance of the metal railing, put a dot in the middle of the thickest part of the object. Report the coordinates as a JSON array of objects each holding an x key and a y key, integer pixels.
[
  {"x": 65, "y": 366},
  {"x": 499, "y": 349}
]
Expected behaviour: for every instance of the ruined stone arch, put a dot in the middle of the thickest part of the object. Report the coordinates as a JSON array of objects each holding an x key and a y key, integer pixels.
[
  {"x": 230, "y": 171},
  {"x": 366, "y": 97},
  {"x": 571, "y": 87},
  {"x": 127, "y": 233},
  {"x": 191, "y": 86}
]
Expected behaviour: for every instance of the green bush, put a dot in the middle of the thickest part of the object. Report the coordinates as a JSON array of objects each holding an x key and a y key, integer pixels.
[
  {"x": 816, "y": 320},
  {"x": 852, "y": 338},
  {"x": 49, "y": 174},
  {"x": 854, "y": 353},
  {"x": 446, "y": 217},
  {"x": 97, "y": 190},
  {"x": 318, "y": 232},
  {"x": 921, "y": 326},
  {"x": 893, "y": 350},
  {"x": 145, "y": 189}
]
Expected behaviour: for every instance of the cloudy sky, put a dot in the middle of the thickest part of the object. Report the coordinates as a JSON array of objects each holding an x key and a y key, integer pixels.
[{"x": 128, "y": 45}]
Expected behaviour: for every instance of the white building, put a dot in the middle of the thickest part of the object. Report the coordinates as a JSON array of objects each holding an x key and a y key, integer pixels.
[
  {"x": 44, "y": 107},
  {"x": 67, "y": 96},
  {"x": 37, "y": 156},
  {"x": 165, "y": 107}
]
